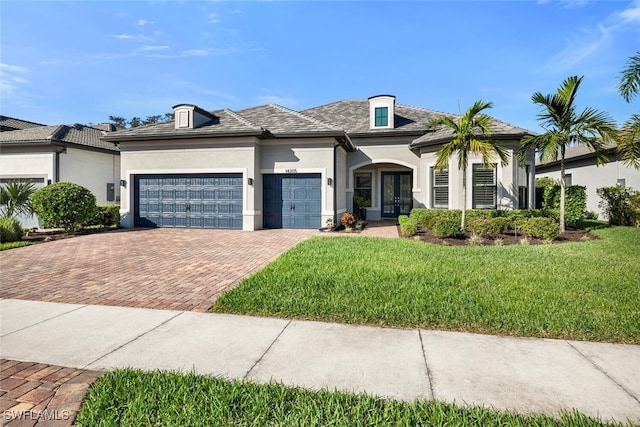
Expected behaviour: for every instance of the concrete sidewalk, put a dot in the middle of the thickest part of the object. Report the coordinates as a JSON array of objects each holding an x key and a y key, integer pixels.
[{"x": 520, "y": 374}]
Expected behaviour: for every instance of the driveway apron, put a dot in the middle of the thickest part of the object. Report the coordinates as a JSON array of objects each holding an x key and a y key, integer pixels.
[{"x": 171, "y": 269}]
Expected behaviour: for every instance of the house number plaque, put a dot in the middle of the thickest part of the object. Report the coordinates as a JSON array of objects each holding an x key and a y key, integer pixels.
[{"x": 291, "y": 170}]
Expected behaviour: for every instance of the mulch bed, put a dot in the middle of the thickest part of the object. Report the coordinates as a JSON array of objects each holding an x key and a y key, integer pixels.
[
  {"x": 38, "y": 236},
  {"x": 570, "y": 235}
]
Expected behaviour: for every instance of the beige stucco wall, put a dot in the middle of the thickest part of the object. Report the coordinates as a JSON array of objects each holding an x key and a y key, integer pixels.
[
  {"x": 302, "y": 155},
  {"x": 586, "y": 173},
  {"x": 509, "y": 178},
  {"x": 382, "y": 155},
  {"x": 93, "y": 170},
  {"x": 232, "y": 155}
]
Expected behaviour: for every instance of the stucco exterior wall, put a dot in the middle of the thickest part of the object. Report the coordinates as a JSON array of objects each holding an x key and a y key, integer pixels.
[
  {"x": 377, "y": 156},
  {"x": 177, "y": 157},
  {"x": 585, "y": 172},
  {"x": 508, "y": 179},
  {"x": 93, "y": 170},
  {"x": 294, "y": 156},
  {"x": 33, "y": 165}
]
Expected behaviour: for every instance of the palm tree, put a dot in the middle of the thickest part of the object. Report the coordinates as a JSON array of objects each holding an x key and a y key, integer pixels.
[
  {"x": 15, "y": 198},
  {"x": 629, "y": 135},
  {"x": 471, "y": 134},
  {"x": 564, "y": 127}
]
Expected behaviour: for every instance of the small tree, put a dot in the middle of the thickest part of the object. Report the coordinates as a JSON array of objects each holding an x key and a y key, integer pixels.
[
  {"x": 471, "y": 135},
  {"x": 64, "y": 204},
  {"x": 617, "y": 204},
  {"x": 15, "y": 198}
]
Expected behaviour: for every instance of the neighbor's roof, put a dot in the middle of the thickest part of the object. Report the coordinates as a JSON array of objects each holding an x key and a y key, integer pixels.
[
  {"x": 9, "y": 124},
  {"x": 574, "y": 152},
  {"x": 500, "y": 130},
  {"x": 76, "y": 134}
]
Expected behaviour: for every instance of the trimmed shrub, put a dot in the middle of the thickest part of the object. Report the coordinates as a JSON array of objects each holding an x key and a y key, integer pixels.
[
  {"x": 542, "y": 228},
  {"x": 105, "y": 215},
  {"x": 10, "y": 230},
  {"x": 575, "y": 203},
  {"x": 616, "y": 204},
  {"x": 408, "y": 226},
  {"x": 447, "y": 227},
  {"x": 64, "y": 204},
  {"x": 488, "y": 227},
  {"x": 425, "y": 217}
]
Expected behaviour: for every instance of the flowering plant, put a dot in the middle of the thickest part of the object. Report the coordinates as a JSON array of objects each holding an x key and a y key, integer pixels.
[{"x": 347, "y": 219}]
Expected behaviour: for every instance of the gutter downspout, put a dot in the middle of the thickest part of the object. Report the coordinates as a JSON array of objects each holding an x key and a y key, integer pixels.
[{"x": 56, "y": 172}]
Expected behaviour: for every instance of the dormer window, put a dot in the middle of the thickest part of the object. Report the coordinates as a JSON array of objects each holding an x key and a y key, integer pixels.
[
  {"x": 382, "y": 116},
  {"x": 382, "y": 112},
  {"x": 189, "y": 116}
]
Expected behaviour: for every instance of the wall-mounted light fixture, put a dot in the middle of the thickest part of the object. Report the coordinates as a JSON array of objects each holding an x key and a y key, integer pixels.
[
  {"x": 250, "y": 181},
  {"x": 123, "y": 183},
  {"x": 329, "y": 181}
]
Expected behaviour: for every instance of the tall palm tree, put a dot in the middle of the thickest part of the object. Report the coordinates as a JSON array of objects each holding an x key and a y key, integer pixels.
[
  {"x": 629, "y": 135},
  {"x": 15, "y": 198},
  {"x": 471, "y": 135},
  {"x": 564, "y": 127}
]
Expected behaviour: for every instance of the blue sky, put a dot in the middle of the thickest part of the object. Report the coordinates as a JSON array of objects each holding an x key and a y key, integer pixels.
[{"x": 67, "y": 62}]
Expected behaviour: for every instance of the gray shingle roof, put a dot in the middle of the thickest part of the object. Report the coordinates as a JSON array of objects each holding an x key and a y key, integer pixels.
[
  {"x": 353, "y": 117},
  {"x": 228, "y": 123},
  {"x": 11, "y": 124},
  {"x": 279, "y": 120},
  {"x": 500, "y": 130},
  {"x": 579, "y": 151},
  {"x": 75, "y": 134}
]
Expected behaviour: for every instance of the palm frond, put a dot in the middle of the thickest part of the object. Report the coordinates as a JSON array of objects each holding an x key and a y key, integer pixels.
[
  {"x": 629, "y": 142},
  {"x": 630, "y": 78}
]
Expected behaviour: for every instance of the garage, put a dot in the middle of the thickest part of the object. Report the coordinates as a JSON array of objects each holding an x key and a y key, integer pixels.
[
  {"x": 188, "y": 201},
  {"x": 292, "y": 201}
]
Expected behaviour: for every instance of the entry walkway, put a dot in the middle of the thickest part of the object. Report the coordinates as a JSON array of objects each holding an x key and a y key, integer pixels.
[{"x": 520, "y": 374}]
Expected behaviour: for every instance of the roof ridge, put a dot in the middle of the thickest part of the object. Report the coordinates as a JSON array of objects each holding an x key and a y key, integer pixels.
[
  {"x": 242, "y": 119},
  {"x": 56, "y": 132},
  {"x": 304, "y": 116}
]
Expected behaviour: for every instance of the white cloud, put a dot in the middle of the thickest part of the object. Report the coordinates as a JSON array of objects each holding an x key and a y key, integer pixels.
[
  {"x": 123, "y": 37},
  {"x": 237, "y": 11},
  {"x": 593, "y": 41},
  {"x": 150, "y": 48},
  {"x": 143, "y": 22},
  {"x": 213, "y": 19},
  {"x": 195, "y": 52},
  {"x": 631, "y": 15},
  {"x": 12, "y": 79}
]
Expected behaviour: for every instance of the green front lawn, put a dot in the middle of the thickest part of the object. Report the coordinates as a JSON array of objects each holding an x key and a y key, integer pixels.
[
  {"x": 12, "y": 245},
  {"x": 134, "y": 398},
  {"x": 583, "y": 291}
]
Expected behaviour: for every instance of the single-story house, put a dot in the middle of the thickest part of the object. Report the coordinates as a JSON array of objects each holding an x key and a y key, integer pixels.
[
  {"x": 270, "y": 166},
  {"x": 47, "y": 154},
  {"x": 581, "y": 169}
]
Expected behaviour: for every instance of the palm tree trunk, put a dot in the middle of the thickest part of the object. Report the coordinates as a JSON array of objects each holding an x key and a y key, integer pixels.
[
  {"x": 464, "y": 202},
  {"x": 562, "y": 190}
]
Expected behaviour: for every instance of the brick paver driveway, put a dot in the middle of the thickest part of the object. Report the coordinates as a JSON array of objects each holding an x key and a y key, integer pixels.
[{"x": 176, "y": 269}]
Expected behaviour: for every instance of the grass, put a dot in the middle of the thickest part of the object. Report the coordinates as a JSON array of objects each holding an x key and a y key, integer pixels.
[
  {"x": 135, "y": 398},
  {"x": 11, "y": 245},
  {"x": 581, "y": 291}
]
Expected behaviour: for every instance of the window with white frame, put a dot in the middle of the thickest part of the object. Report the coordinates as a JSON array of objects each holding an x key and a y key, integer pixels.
[
  {"x": 440, "y": 185},
  {"x": 362, "y": 187},
  {"x": 485, "y": 190}
]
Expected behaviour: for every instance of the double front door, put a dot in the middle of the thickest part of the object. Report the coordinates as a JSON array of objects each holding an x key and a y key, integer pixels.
[{"x": 397, "y": 197}]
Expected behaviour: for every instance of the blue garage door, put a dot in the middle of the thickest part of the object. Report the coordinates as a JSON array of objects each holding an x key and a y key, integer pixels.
[
  {"x": 292, "y": 201},
  {"x": 190, "y": 201}
]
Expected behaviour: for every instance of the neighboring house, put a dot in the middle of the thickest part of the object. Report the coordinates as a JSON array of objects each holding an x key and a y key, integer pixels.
[
  {"x": 581, "y": 169},
  {"x": 10, "y": 123},
  {"x": 76, "y": 153},
  {"x": 272, "y": 167}
]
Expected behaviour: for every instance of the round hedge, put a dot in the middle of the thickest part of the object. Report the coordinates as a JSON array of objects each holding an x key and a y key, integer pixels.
[{"x": 64, "y": 205}]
